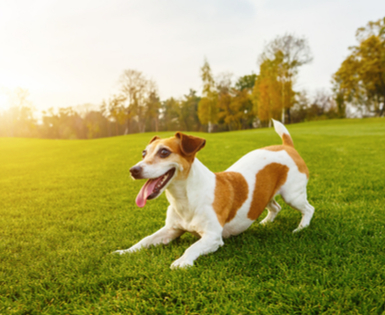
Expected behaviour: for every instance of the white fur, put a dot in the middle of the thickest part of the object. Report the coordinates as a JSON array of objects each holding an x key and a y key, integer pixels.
[
  {"x": 191, "y": 202},
  {"x": 280, "y": 128},
  {"x": 293, "y": 191}
]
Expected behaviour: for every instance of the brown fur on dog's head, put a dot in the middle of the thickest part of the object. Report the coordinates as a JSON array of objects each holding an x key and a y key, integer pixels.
[{"x": 183, "y": 149}]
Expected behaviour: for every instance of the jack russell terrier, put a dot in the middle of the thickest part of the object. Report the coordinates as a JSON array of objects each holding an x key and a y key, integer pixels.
[{"x": 218, "y": 205}]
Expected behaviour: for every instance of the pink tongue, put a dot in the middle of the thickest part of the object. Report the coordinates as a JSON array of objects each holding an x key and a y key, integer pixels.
[{"x": 146, "y": 191}]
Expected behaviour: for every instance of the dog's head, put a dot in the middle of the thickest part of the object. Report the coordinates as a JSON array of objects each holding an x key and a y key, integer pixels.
[{"x": 163, "y": 161}]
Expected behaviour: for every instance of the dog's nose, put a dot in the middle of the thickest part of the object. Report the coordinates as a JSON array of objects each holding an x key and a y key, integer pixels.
[{"x": 136, "y": 171}]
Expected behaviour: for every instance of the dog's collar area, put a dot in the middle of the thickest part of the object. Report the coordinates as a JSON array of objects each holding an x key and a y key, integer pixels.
[{"x": 152, "y": 188}]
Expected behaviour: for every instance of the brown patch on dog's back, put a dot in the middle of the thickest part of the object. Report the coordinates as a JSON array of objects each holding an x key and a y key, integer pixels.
[
  {"x": 231, "y": 191},
  {"x": 267, "y": 183},
  {"x": 293, "y": 154}
]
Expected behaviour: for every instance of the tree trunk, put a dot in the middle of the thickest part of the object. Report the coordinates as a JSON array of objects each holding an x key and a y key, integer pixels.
[
  {"x": 127, "y": 131},
  {"x": 283, "y": 115},
  {"x": 143, "y": 127},
  {"x": 383, "y": 107},
  {"x": 283, "y": 103},
  {"x": 288, "y": 116}
]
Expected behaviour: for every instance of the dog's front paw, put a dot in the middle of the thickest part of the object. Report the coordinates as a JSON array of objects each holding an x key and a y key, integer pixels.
[
  {"x": 125, "y": 251},
  {"x": 181, "y": 263}
]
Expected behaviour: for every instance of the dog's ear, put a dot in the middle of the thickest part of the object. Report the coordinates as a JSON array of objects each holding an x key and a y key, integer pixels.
[
  {"x": 153, "y": 139},
  {"x": 190, "y": 145}
]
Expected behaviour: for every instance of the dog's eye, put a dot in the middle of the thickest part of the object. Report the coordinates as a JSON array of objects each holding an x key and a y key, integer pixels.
[
  {"x": 144, "y": 153},
  {"x": 163, "y": 153}
]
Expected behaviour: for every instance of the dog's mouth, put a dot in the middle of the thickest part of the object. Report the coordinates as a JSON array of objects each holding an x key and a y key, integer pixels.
[{"x": 153, "y": 187}]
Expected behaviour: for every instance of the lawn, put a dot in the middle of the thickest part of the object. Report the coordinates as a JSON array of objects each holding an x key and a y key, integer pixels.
[{"x": 65, "y": 205}]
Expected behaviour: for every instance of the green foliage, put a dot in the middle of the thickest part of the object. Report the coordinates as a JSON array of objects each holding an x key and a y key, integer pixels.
[
  {"x": 180, "y": 114},
  {"x": 170, "y": 110},
  {"x": 152, "y": 111},
  {"x": 207, "y": 107},
  {"x": 207, "y": 79},
  {"x": 320, "y": 107},
  {"x": 222, "y": 106},
  {"x": 267, "y": 93},
  {"x": 292, "y": 52},
  {"x": 360, "y": 80},
  {"x": 246, "y": 82},
  {"x": 235, "y": 108},
  {"x": 66, "y": 205},
  {"x": 189, "y": 112},
  {"x": 208, "y": 110},
  {"x": 279, "y": 62}
]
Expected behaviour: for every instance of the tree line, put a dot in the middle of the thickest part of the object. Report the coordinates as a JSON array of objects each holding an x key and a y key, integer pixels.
[{"x": 224, "y": 104}]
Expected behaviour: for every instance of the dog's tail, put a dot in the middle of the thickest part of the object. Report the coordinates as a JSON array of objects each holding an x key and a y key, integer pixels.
[{"x": 283, "y": 133}]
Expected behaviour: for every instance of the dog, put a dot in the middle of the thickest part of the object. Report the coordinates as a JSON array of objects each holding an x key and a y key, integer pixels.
[{"x": 214, "y": 206}]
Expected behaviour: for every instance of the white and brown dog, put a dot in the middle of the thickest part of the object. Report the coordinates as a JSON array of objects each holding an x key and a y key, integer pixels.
[{"x": 217, "y": 205}]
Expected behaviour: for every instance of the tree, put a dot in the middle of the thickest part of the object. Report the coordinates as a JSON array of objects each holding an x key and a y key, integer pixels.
[
  {"x": 96, "y": 123},
  {"x": 207, "y": 107},
  {"x": 299, "y": 111},
  {"x": 246, "y": 82},
  {"x": 267, "y": 92},
  {"x": 118, "y": 112},
  {"x": 169, "y": 115},
  {"x": 360, "y": 80},
  {"x": 233, "y": 104},
  {"x": 242, "y": 97},
  {"x": 18, "y": 119},
  {"x": 243, "y": 104},
  {"x": 137, "y": 90},
  {"x": 321, "y": 106},
  {"x": 152, "y": 109},
  {"x": 289, "y": 53},
  {"x": 189, "y": 112},
  {"x": 224, "y": 98}
]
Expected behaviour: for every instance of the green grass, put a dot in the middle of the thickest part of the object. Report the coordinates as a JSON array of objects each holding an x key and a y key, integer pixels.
[{"x": 66, "y": 205}]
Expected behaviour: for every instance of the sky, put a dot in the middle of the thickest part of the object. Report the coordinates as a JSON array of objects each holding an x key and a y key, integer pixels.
[{"x": 69, "y": 53}]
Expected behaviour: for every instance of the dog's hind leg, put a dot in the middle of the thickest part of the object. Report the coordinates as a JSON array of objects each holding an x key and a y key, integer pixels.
[
  {"x": 307, "y": 211},
  {"x": 300, "y": 203},
  {"x": 273, "y": 209}
]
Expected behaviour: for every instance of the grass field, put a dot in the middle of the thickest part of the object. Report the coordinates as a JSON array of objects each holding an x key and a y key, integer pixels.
[{"x": 66, "y": 205}]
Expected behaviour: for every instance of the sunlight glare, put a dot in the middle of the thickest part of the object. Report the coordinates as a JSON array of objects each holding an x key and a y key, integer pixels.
[{"x": 4, "y": 101}]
